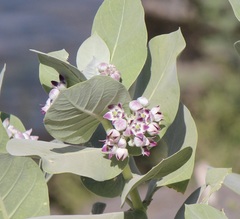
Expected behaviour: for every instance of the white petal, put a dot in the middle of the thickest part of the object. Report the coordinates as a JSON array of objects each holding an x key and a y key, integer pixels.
[
  {"x": 53, "y": 94},
  {"x": 6, "y": 123},
  {"x": 121, "y": 153},
  {"x": 143, "y": 100}
]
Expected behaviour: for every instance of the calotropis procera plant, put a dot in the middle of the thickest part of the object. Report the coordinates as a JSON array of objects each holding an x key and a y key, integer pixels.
[{"x": 126, "y": 87}]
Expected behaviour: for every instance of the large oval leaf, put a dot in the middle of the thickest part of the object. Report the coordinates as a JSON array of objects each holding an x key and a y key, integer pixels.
[
  {"x": 203, "y": 211},
  {"x": 61, "y": 158},
  {"x": 23, "y": 190},
  {"x": 77, "y": 111},
  {"x": 165, "y": 167},
  {"x": 93, "y": 50},
  {"x": 163, "y": 87},
  {"x": 182, "y": 133},
  {"x": 120, "y": 23}
]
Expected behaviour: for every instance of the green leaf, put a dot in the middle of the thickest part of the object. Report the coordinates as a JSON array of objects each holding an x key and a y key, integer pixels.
[
  {"x": 120, "y": 23},
  {"x": 139, "y": 86},
  {"x": 165, "y": 167},
  {"x": 93, "y": 51},
  {"x": 3, "y": 134},
  {"x": 182, "y": 133},
  {"x": 203, "y": 211},
  {"x": 108, "y": 188},
  {"x": 48, "y": 74},
  {"x": 76, "y": 113},
  {"x": 62, "y": 158},
  {"x": 232, "y": 182},
  {"x": 1, "y": 76},
  {"x": 236, "y": 8},
  {"x": 23, "y": 190},
  {"x": 214, "y": 179},
  {"x": 192, "y": 199},
  {"x": 163, "y": 87},
  {"x": 116, "y": 215},
  {"x": 237, "y": 47},
  {"x": 54, "y": 63}
]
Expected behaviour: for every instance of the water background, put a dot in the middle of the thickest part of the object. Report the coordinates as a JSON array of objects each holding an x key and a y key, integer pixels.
[{"x": 45, "y": 26}]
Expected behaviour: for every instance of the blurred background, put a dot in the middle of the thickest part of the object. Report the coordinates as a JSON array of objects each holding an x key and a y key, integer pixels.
[{"x": 208, "y": 72}]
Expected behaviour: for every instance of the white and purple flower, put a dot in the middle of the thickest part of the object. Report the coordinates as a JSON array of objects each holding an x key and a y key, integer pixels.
[
  {"x": 136, "y": 130},
  {"x": 106, "y": 69},
  {"x": 115, "y": 144},
  {"x": 15, "y": 133}
]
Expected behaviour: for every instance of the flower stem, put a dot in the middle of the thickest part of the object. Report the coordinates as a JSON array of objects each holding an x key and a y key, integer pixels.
[{"x": 135, "y": 197}]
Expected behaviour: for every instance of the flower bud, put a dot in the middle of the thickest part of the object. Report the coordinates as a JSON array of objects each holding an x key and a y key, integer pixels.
[{"x": 121, "y": 153}]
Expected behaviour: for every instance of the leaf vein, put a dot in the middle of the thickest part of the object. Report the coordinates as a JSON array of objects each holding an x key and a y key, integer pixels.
[
  {"x": 119, "y": 30},
  {"x": 25, "y": 196}
]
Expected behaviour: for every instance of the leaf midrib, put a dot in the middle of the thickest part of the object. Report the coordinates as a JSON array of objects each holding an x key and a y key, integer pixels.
[{"x": 119, "y": 31}]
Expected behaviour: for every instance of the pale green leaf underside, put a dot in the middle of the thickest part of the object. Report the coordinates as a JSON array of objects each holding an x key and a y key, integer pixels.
[
  {"x": 53, "y": 63},
  {"x": 1, "y": 76},
  {"x": 121, "y": 25},
  {"x": 182, "y": 133},
  {"x": 92, "y": 49},
  {"x": 163, "y": 87},
  {"x": 165, "y": 167},
  {"x": 215, "y": 178},
  {"x": 76, "y": 113},
  {"x": 23, "y": 190},
  {"x": 3, "y": 134},
  {"x": 236, "y": 8},
  {"x": 60, "y": 158},
  {"x": 232, "y": 182},
  {"x": 203, "y": 211}
]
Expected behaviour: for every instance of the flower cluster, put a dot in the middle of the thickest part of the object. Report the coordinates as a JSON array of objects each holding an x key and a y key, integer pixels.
[
  {"x": 109, "y": 70},
  {"x": 138, "y": 129},
  {"x": 15, "y": 133},
  {"x": 57, "y": 86}
]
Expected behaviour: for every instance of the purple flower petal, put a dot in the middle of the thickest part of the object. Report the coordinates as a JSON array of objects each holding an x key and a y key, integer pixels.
[
  {"x": 54, "y": 83},
  {"x": 120, "y": 124},
  {"x": 108, "y": 116},
  {"x": 135, "y": 105}
]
